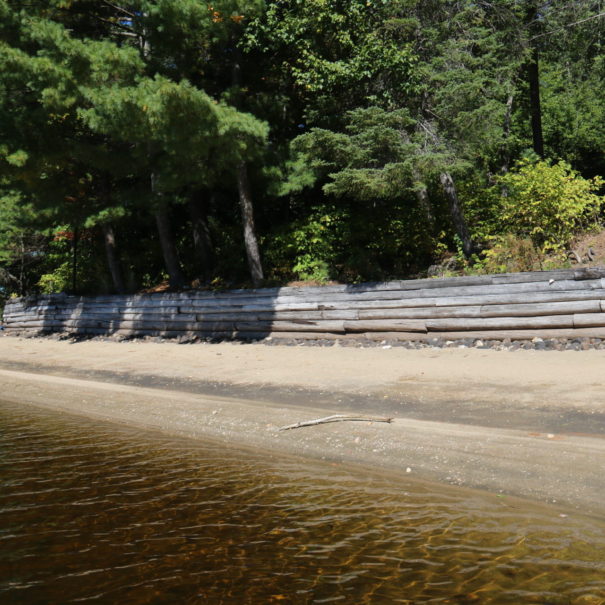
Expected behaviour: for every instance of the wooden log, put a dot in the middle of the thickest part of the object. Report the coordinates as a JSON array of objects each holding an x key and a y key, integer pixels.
[
  {"x": 489, "y": 299},
  {"x": 420, "y": 313},
  {"x": 529, "y": 334},
  {"x": 125, "y": 316},
  {"x": 533, "y": 276},
  {"x": 39, "y": 310},
  {"x": 539, "y": 309},
  {"x": 22, "y": 317},
  {"x": 388, "y": 325},
  {"x": 31, "y": 322},
  {"x": 212, "y": 317},
  {"x": 589, "y": 273},
  {"x": 221, "y": 326},
  {"x": 499, "y": 323},
  {"x": 588, "y": 320},
  {"x": 207, "y": 327},
  {"x": 104, "y": 309},
  {"x": 279, "y": 316},
  {"x": 291, "y": 326},
  {"x": 253, "y": 308},
  {"x": 524, "y": 298}
]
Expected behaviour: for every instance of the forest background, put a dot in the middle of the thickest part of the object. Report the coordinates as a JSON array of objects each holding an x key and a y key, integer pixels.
[{"x": 188, "y": 143}]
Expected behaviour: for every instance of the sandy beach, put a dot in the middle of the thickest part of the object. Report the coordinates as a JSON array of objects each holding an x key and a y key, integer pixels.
[{"x": 524, "y": 423}]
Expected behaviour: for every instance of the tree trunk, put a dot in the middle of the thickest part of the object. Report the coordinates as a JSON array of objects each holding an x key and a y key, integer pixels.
[
  {"x": 74, "y": 260},
  {"x": 112, "y": 259},
  {"x": 171, "y": 261},
  {"x": 533, "y": 75},
  {"x": 21, "y": 281},
  {"x": 250, "y": 240},
  {"x": 534, "y": 29},
  {"x": 176, "y": 278},
  {"x": 109, "y": 238},
  {"x": 424, "y": 201},
  {"x": 458, "y": 219},
  {"x": 198, "y": 210},
  {"x": 506, "y": 133}
]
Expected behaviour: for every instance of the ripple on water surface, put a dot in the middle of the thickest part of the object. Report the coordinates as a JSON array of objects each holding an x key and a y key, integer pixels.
[{"x": 92, "y": 511}]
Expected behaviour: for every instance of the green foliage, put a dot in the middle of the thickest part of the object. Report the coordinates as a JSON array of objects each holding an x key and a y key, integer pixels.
[
  {"x": 372, "y": 160},
  {"x": 322, "y": 50},
  {"x": 574, "y": 116},
  {"x": 22, "y": 248},
  {"x": 346, "y": 114},
  {"x": 57, "y": 269},
  {"x": 549, "y": 203},
  {"x": 310, "y": 248},
  {"x": 510, "y": 254}
]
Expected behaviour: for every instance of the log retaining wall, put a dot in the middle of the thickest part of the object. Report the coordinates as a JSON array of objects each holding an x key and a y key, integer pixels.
[{"x": 550, "y": 304}]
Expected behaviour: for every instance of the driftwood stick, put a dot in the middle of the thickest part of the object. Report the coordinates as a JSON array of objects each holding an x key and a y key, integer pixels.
[{"x": 336, "y": 418}]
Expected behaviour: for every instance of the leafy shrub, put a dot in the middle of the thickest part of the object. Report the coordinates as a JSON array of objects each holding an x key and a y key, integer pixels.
[
  {"x": 548, "y": 203},
  {"x": 57, "y": 272},
  {"x": 309, "y": 248},
  {"x": 511, "y": 254}
]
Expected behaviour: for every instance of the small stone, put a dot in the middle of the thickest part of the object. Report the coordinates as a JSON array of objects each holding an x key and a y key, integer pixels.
[{"x": 408, "y": 470}]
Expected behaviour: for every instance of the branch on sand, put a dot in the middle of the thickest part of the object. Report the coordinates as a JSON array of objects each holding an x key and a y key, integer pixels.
[{"x": 336, "y": 418}]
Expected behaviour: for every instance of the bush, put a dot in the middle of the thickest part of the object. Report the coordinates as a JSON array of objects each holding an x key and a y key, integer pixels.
[
  {"x": 511, "y": 254},
  {"x": 548, "y": 203},
  {"x": 307, "y": 249}
]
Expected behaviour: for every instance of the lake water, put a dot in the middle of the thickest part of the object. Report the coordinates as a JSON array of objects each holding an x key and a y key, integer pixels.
[{"x": 95, "y": 512}]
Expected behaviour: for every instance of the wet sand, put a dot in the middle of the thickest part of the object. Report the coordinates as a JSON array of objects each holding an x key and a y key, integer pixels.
[{"x": 525, "y": 423}]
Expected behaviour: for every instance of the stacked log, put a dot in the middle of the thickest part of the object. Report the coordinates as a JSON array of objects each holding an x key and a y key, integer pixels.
[{"x": 560, "y": 303}]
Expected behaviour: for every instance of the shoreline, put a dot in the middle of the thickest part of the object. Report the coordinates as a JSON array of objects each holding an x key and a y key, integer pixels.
[{"x": 467, "y": 431}]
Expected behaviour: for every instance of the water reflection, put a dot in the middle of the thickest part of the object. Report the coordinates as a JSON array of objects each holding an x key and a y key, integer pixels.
[{"x": 95, "y": 512}]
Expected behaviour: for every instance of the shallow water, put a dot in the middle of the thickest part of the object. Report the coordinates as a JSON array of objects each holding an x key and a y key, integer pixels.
[{"x": 92, "y": 511}]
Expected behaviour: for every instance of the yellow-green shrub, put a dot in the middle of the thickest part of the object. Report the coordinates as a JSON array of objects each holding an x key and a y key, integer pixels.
[{"x": 548, "y": 203}]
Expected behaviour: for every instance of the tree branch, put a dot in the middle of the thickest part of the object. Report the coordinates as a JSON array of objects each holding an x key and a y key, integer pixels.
[{"x": 336, "y": 418}]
